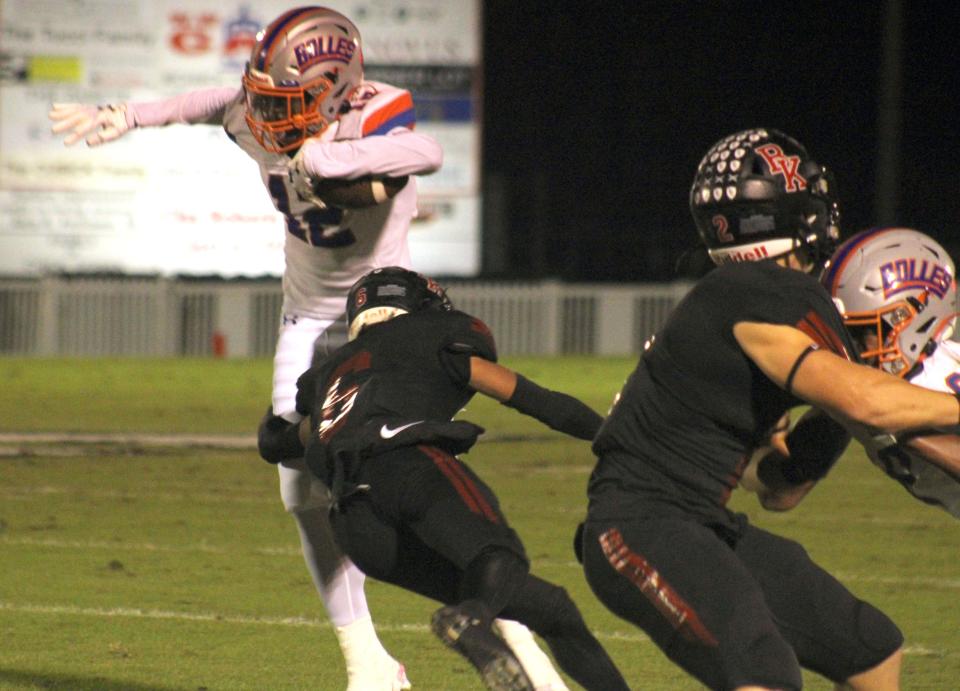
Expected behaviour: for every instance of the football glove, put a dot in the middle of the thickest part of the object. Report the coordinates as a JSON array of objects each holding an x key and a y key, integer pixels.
[
  {"x": 301, "y": 180},
  {"x": 278, "y": 439},
  {"x": 96, "y": 124}
]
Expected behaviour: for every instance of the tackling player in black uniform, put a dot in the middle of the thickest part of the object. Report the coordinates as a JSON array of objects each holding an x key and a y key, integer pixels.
[
  {"x": 736, "y": 606},
  {"x": 406, "y": 510}
]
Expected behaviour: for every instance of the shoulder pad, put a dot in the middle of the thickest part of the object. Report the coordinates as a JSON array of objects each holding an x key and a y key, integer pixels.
[{"x": 382, "y": 108}]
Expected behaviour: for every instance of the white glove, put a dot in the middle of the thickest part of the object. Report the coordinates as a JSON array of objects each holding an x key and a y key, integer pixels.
[
  {"x": 302, "y": 181},
  {"x": 98, "y": 124}
]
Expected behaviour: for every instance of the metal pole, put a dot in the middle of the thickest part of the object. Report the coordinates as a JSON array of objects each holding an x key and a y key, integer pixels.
[{"x": 889, "y": 116}]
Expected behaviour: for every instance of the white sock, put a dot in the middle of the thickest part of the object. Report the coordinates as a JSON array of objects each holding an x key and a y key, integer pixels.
[
  {"x": 369, "y": 666},
  {"x": 536, "y": 663}
]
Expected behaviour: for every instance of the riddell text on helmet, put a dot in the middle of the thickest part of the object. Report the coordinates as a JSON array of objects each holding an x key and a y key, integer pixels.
[{"x": 750, "y": 255}]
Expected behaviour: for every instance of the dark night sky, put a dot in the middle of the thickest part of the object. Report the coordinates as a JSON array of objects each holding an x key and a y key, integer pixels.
[{"x": 596, "y": 116}]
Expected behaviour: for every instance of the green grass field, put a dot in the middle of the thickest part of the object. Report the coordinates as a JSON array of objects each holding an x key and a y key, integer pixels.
[{"x": 145, "y": 567}]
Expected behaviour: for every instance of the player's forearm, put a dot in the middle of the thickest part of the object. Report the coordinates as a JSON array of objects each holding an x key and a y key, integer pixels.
[
  {"x": 557, "y": 410},
  {"x": 846, "y": 390},
  {"x": 395, "y": 155},
  {"x": 874, "y": 399},
  {"x": 205, "y": 106}
]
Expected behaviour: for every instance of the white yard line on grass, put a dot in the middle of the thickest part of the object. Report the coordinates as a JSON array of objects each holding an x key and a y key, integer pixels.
[
  {"x": 213, "y": 617},
  {"x": 142, "y": 546}
]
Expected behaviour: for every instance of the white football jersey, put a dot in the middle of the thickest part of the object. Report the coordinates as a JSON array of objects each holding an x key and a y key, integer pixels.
[
  {"x": 327, "y": 250},
  {"x": 941, "y": 371}
]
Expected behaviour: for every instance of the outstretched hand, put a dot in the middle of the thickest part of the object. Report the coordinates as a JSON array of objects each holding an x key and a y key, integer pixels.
[{"x": 96, "y": 124}]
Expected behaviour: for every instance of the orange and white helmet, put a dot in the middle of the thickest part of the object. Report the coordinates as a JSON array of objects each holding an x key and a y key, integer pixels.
[
  {"x": 301, "y": 73},
  {"x": 897, "y": 291}
]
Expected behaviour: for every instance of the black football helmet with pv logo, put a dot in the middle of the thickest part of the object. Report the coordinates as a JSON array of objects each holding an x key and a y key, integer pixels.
[{"x": 758, "y": 195}]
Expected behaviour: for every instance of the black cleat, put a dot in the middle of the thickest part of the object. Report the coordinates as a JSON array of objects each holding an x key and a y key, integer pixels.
[{"x": 476, "y": 641}]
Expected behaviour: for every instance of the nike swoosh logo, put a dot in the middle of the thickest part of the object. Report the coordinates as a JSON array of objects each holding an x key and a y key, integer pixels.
[{"x": 388, "y": 433}]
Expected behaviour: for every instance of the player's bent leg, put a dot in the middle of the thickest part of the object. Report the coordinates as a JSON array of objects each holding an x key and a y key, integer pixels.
[
  {"x": 493, "y": 578},
  {"x": 833, "y": 632},
  {"x": 549, "y": 611},
  {"x": 467, "y": 628},
  {"x": 340, "y": 586},
  {"x": 719, "y": 630}
]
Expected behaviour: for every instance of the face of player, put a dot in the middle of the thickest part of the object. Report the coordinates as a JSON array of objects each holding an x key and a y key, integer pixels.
[{"x": 869, "y": 343}]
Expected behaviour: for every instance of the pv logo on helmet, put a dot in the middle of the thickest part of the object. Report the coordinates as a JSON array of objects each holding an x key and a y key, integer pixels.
[{"x": 781, "y": 164}]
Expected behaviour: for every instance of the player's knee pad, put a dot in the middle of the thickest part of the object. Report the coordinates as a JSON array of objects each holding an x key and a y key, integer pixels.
[
  {"x": 878, "y": 634},
  {"x": 300, "y": 491},
  {"x": 493, "y": 577}
]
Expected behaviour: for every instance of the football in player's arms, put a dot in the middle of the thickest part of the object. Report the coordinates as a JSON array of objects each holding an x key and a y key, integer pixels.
[{"x": 359, "y": 193}]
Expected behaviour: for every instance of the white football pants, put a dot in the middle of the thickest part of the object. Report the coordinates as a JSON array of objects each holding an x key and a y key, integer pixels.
[{"x": 338, "y": 581}]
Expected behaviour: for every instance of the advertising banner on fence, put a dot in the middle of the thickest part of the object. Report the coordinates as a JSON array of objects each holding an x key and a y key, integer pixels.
[{"x": 190, "y": 202}]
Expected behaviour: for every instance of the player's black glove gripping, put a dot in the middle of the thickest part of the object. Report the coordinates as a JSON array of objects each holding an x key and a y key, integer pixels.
[{"x": 278, "y": 439}]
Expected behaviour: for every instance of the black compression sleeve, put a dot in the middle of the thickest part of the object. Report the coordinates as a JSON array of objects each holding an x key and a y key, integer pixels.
[
  {"x": 556, "y": 410},
  {"x": 815, "y": 444}
]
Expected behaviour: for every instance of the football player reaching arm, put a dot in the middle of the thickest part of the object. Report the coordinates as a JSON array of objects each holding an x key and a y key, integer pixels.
[
  {"x": 864, "y": 401},
  {"x": 555, "y": 409},
  {"x": 396, "y": 153}
]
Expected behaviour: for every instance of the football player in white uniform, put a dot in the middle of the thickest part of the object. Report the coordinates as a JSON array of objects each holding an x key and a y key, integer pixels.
[
  {"x": 304, "y": 112},
  {"x": 897, "y": 291}
]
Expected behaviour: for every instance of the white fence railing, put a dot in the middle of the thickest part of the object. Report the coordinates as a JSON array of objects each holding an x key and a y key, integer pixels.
[{"x": 129, "y": 316}]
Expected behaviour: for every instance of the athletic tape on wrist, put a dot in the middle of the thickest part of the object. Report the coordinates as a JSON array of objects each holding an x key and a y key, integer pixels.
[{"x": 379, "y": 192}]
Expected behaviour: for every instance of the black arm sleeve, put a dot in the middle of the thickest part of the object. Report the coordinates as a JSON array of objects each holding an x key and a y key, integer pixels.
[
  {"x": 556, "y": 410},
  {"x": 815, "y": 443}
]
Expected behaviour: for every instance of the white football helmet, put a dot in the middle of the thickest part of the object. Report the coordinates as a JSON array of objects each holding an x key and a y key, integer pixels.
[
  {"x": 301, "y": 73},
  {"x": 897, "y": 291}
]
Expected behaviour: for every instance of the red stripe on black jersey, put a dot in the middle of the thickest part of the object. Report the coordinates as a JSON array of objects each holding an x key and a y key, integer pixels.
[
  {"x": 665, "y": 599},
  {"x": 463, "y": 483},
  {"x": 816, "y": 328},
  {"x": 357, "y": 363}
]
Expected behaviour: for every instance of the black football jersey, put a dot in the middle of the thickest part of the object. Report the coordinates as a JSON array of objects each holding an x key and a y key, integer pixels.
[
  {"x": 696, "y": 405},
  {"x": 410, "y": 369}
]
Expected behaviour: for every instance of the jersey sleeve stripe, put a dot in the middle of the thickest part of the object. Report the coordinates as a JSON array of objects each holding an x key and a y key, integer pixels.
[
  {"x": 817, "y": 329},
  {"x": 397, "y": 113}
]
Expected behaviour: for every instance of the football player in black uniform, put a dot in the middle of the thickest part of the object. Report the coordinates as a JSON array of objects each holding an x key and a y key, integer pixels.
[
  {"x": 406, "y": 510},
  {"x": 736, "y": 606}
]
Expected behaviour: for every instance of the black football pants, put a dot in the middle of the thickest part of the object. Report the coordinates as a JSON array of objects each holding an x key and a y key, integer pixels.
[{"x": 427, "y": 519}]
